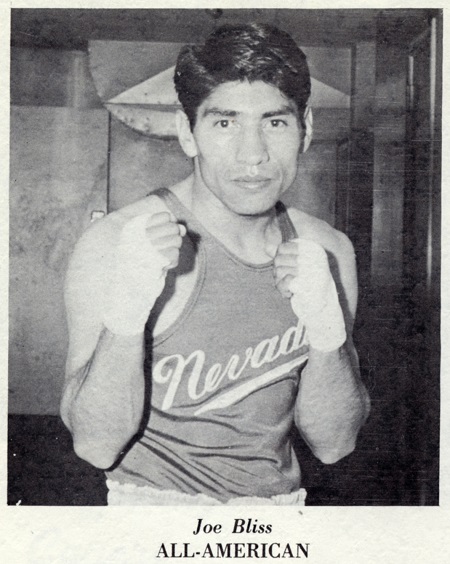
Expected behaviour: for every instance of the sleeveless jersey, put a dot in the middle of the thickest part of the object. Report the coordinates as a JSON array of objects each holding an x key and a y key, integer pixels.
[{"x": 222, "y": 379}]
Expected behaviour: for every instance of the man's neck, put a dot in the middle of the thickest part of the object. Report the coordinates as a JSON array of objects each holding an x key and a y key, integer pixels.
[{"x": 247, "y": 236}]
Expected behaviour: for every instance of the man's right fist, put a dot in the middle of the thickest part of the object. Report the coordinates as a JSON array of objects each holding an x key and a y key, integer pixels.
[{"x": 148, "y": 246}]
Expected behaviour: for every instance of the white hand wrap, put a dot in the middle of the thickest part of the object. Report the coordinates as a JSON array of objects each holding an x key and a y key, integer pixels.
[
  {"x": 315, "y": 300},
  {"x": 137, "y": 279}
]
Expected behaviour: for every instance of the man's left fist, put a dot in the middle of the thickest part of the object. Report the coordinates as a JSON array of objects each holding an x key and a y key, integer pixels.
[{"x": 302, "y": 273}]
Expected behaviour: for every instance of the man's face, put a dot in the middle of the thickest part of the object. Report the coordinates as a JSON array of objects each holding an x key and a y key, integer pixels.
[{"x": 246, "y": 139}]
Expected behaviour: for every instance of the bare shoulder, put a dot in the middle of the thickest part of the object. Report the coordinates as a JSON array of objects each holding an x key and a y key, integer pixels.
[
  {"x": 333, "y": 241},
  {"x": 149, "y": 205},
  {"x": 100, "y": 238},
  {"x": 93, "y": 255}
]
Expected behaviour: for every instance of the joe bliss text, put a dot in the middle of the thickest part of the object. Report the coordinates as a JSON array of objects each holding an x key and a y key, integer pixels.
[{"x": 268, "y": 549}]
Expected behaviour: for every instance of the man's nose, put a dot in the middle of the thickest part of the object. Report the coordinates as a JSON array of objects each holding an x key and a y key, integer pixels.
[{"x": 252, "y": 147}]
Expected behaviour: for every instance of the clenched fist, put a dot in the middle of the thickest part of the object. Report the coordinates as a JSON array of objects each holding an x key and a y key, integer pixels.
[
  {"x": 148, "y": 246},
  {"x": 302, "y": 274}
]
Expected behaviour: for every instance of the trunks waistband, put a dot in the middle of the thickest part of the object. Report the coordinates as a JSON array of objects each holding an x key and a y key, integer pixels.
[{"x": 131, "y": 494}]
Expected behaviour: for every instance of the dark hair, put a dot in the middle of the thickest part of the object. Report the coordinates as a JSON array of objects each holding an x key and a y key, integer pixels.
[{"x": 242, "y": 52}]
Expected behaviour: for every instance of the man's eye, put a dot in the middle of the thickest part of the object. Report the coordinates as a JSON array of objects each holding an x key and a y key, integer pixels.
[
  {"x": 277, "y": 123},
  {"x": 223, "y": 123}
]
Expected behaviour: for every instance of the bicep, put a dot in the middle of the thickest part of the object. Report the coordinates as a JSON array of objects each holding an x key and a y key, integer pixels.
[
  {"x": 83, "y": 295},
  {"x": 343, "y": 268}
]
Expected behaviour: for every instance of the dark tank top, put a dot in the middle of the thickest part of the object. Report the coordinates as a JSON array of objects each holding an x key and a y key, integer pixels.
[{"x": 223, "y": 378}]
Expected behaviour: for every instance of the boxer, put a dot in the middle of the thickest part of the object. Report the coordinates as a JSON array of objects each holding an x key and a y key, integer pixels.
[{"x": 207, "y": 319}]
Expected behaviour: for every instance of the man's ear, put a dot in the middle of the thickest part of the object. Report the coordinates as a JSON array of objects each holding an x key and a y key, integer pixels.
[
  {"x": 308, "y": 123},
  {"x": 185, "y": 136}
]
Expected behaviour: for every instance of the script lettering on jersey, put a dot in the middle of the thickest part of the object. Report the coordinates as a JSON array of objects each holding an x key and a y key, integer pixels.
[{"x": 170, "y": 370}]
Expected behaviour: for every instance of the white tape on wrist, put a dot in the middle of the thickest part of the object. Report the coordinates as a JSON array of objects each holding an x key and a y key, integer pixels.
[
  {"x": 325, "y": 328},
  {"x": 317, "y": 307}
]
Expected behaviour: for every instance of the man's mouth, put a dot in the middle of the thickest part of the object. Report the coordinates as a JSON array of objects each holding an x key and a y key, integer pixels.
[{"x": 252, "y": 181}]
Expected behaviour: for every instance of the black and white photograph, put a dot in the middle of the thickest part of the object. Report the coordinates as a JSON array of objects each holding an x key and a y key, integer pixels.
[{"x": 225, "y": 275}]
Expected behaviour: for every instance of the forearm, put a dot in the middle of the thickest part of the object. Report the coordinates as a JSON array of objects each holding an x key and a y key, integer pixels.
[
  {"x": 103, "y": 403},
  {"x": 332, "y": 403}
]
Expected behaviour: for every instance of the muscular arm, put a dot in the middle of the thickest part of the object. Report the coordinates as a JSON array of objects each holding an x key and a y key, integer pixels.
[
  {"x": 103, "y": 399},
  {"x": 332, "y": 402},
  {"x": 103, "y": 396}
]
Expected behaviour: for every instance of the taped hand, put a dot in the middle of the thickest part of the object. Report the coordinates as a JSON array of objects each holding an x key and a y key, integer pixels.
[
  {"x": 147, "y": 248},
  {"x": 302, "y": 274}
]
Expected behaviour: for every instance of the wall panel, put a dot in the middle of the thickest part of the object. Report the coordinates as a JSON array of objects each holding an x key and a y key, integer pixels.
[{"x": 58, "y": 176}]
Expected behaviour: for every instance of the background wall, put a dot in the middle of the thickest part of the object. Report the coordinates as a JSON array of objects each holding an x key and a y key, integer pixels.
[{"x": 58, "y": 160}]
